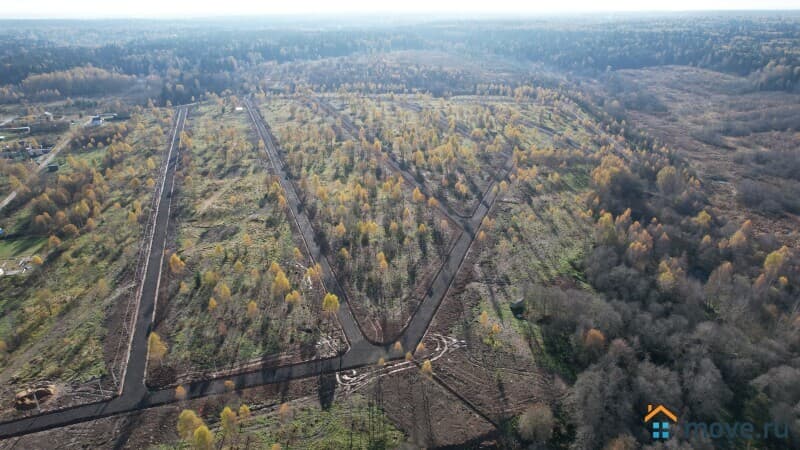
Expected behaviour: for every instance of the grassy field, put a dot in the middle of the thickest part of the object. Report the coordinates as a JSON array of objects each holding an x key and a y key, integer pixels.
[
  {"x": 350, "y": 422},
  {"x": 245, "y": 291},
  {"x": 20, "y": 247}
]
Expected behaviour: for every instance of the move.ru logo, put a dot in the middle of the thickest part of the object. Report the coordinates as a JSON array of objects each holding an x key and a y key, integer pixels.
[
  {"x": 661, "y": 422},
  {"x": 659, "y": 419}
]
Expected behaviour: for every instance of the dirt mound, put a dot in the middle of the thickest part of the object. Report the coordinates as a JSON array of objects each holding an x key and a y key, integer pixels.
[{"x": 29, "y": 398}]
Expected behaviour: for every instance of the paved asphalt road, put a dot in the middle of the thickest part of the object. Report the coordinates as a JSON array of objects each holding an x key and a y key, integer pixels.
[{"x": 361, "y": 352}]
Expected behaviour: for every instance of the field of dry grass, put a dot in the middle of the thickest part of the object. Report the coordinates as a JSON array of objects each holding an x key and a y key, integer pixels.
[{"x": 720, "y": 124}]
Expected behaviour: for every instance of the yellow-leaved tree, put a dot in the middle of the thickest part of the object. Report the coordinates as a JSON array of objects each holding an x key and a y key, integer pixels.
[
  {"x": 176, "y": 265},
  {"x": 188, "y": 422},
  {"x": 203, "y": 439},
  {"x": 156, "y": 348},
  {"x": 330, "y": 303}
]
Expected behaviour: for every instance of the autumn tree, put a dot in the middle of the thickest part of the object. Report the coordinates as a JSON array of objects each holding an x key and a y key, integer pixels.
[
  {"x": 720, "y": 289},
  {"x": 223, "y": 291},
  {"x": 594, "y": 338},
  {"x": 668, "y": 180},
  {"x": 284, "y": 412},
  {"x": 536, "y": 423},
  {"x": 238, "y": 267},
  {"x": 274, "y": 268},
  {"x": 252, "y": 309},
  {"x": 339, "y": 230},
  {"x": 53, "y": 242},
  {"x": 483, "y": 319},
  {"x": 176, "y": 265},
  {"x": 427, "y": 368},
  {"x": 203, "y": 438},
  {"x": 244, "y": 412},
  {"x": 330, "y": 303},
  {"x": 617, "y": 187},
  {"x": 156, "y": 347},
  {"x": 293, "y": 298},
  {"x": 188, "y": 422},
  {"x": 594, "y": 342},
  {"x": 417, "y": 196},
  {"x": 70, "y": 230},
  {"x": 228, "y": 421},
  {"x": 280, "y": 285},
  {"x": 774, "y": 262},
  {"x": 383, "y": 265},
  {"x": 180, "y": 393}
]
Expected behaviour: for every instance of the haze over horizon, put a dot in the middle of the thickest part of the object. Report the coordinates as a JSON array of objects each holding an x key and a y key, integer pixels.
[{"x": 93, "y": 9}]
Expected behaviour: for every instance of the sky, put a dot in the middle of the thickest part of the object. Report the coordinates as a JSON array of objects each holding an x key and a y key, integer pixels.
[{"x": 217, "y": 8}]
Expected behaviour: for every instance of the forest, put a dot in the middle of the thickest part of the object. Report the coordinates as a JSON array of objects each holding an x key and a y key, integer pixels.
[{"x": 217, "y": 56}]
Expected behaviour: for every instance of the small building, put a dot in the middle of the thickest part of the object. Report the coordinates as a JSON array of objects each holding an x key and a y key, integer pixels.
[
  {"x": 96, "y": 121},
  {"x": 36, "y": 152},
  {"x": 52, "y": 167},
  {"x": 2, "y": 232}
]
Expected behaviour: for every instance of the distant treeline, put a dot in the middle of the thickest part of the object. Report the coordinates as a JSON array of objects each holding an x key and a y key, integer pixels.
[
  {"x": 764, "y": 49},
  {"x": 215, "y": 57},
  {"x": 193, "y": 63},
  {"x": 77, "y": 81}
]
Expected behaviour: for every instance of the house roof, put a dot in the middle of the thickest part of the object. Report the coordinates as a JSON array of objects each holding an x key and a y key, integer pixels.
[{"x": 660, "y": 409}]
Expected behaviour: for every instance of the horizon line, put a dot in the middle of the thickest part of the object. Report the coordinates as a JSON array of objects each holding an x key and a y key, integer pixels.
[{"x": 517, "y": 14}]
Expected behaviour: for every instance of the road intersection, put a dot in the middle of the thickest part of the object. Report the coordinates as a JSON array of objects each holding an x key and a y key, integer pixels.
[{"x": 134, "y": 394}]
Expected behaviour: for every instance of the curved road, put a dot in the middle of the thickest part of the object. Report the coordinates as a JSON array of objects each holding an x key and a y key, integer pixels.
[{"x": 135, "y": 395}]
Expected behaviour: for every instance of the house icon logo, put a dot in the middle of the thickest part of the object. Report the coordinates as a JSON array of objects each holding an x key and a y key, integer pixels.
[{"x": 658, "y": 419}]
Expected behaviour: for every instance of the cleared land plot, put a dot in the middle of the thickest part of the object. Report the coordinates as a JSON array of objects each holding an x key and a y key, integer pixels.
[
  {"x": 505, "y": 365},
  {"x": 82, "y": 227},
  {"x": 455, "y": 151},
  {"x": 742, "y": 142},
  {"x": 531, "y": 242},
  {"x": 384, "y": 238},
  {"x": 240, "y": 287},
  {"x": 305, "y": 413}
]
